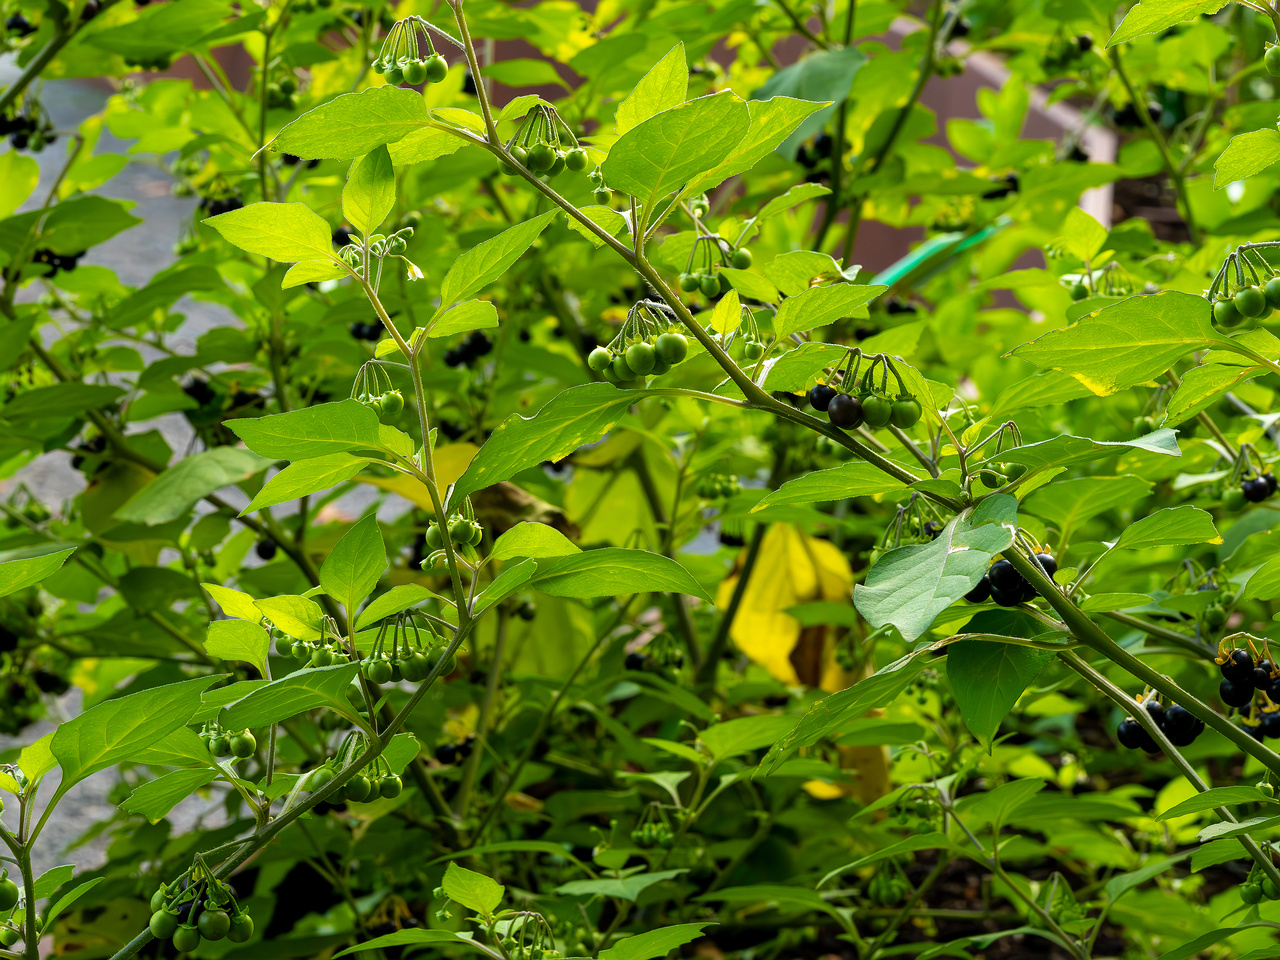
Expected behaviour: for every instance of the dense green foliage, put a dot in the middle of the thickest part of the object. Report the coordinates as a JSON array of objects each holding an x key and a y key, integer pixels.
[{"x": 576, "y": 554}]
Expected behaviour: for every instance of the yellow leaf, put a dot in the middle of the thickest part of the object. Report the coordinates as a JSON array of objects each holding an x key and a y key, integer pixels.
[{"x": 451, "y": 461}]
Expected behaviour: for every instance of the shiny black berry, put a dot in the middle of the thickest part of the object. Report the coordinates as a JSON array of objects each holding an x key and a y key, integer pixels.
[
  {"x": 266, "y": 549},
  {"x": 1261, "y": 675},
  {"x": 1235, "y": 694},
  {"x": 981, "y": 593},
  {"x": 1130, "y": 734},
  {"x": 1181, "y": 726},
  {"x": 844, "y": 411},
  {"x": 1239, "y": 666},
  {"x": 1255, "y": 489},
  {"x": 1006, "y": 598},
  {"x": 820, "y": 397},
  {"x": 1004, "y": 577}
]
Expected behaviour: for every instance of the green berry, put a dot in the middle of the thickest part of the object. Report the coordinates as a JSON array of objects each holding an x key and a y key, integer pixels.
[
  {"x": 1272, "y": 291},
  {"x": 906, "y": 412},
  {"x": 186, "y": 938},
  {"x": 1251, "y": 892},
  {"x": 877, "y": 411},
  {"x": 214, "y": 924},
  {"x": 640, "y": 358},
  {"x": 741, "y": 258},
  {"x": 415, "y": 73},
  {"x": 162, "y": 924},
  {"x": 392, "y": 403},
  {"x": 437, "y": 68},
  {"x": 1272, "y": 61},
  {"x": 576, "y": 159},
  {"x": 541, "y": 157},
  {"x": 671, "y": 347},
  {"x": 243, "y": 745},
  {"x": 1250, "y": 302},
  {"x": 689, "y": 282},
  {"x": 241, "y": 928},
  {"x": 358, "y": 788},
  {"x": 390, "y": 787},
  {"x": 709, "y": 285},
  {"x": 1225, "y": 313}
]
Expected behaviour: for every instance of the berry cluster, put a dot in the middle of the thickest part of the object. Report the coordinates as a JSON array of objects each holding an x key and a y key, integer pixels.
[
  {"x": 1236, "y": 298},
  {"x": 717, "y": 486},
  {"x": 223, "y": 743},
  {"x": 408, "y": 55},
  {"x": 646, "y": 346},
  {"x": 475, "y": 346},
  {"x": 282, "y": 93},
  {"x": 872, "y": 404},
  {"x": 1242, "y": 675},
  {"x": 1005, "y": 586},
  {"x": 27, "y": 132},
  {"x": 450, "y": 753},
  {"x": 1253, "y": 489},
  {"x": 19, "y": 25},
  {"x": 1175, "y": 721},
  {"x": 214, "y": 206},
  {"x": 190, "y": 912},
  {"x": 373, "y": 388},
  {"x": 56, "y": 262},
  {"x": 545, "y": 144},
  {"x": 653, "y": 833},
  {"x": 463, "y": 532},
  {"x": 1257, "y": 884},
  {"x": 309, "y": 654},
  {"x": 383, "y": 784},
  {"x": 711, "y": 251}
]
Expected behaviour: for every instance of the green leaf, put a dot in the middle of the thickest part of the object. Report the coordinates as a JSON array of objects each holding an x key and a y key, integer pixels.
[
  {"x": 523, "y": 73},
  {"x": 826, "y": 76},
  {"x": 234, "y": 603},
  {"x": 909, "y": 586},
  {"x": 411, "y": 938},
  {"x": 857, "y": 478},
  {"x": 69, "y": 898},
  {"x": 1127, "y": 343},
  {"x": 928, "y": 841},
  {"x": 820, "y": 306},
  {"x": 398, "y": 598},
  {"x": 663, "y": 87},
  {"x": 1068, "y": 504},
  {"x": 472, "y": 890},
  {"x": 287, "y": 232},
  {"x": 115, "y": 731},
  {"x": 421, "y": 145},
  {"x": 1064, "y": 450},
  {"x": 987, "y": 679},
  {"x": 1171, "y": 526},
  {"x": 771, "y": 122},
  {"x": 313, "y": 271},
  {"x": 298, "y": 617},
  {"x": 504, "y": 584},
  {"x": 155, "y": 798},
  {"x": 174, "y": 492},
  {"x": 355, "y": 564},
  {"x": 370, "y": 193},
  {"x": 1122, "y": 883},
  {"x": 828, "y": 716},
  {"x": 64, "y": 400},
  {"x": 750, "y": 285},
  {"x": 292, "y": 695},
  {"x": 306, "y": 477},
  {"x": 800, "y": 193},
  {"x": 797, "y": 370},
  {"x": 1225, "y": 829},
  {"x": 660, "y": 155},
  {"x": 788, "y": 899},
  {"x": 575, "y": 417},
  {"x": 486, "y": 262},
  {"x": 238, "y": 640},
  {"x": 528, "y": 539},
  {"x": 1213, "y": 798},
  {"x": 1201, "y": 385},
  {"x": 317, "y": 431},
  {"x": 17, "y": 575},
  {"x": 792, "y": 271},
  {"x": 19, "y": 175},
  {"x": 615, "y": 570},
  {"x": 1083, "y": 235},
  {"x": 625, "y": 888},
  {"x": 744, "y": 734},
  {"x": 1246, "y": 155},
  {"x": 1157, "y": 16},
  {"x": 463, "y": 317},
  {"x": 354, "y": 124},
  {"x": 654, "y": 943}
]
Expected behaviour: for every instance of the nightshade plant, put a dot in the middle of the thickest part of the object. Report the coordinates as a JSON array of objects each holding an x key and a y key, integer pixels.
[{"x": 708, "y": 591}]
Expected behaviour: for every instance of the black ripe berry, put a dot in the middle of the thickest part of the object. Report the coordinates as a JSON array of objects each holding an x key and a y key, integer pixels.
[
  {"x": 1004, "y": 577},
  {"x": 932, "y": 529},
  {"x": 1131, "y": 734},
  {"x": 845, "y": 411},
  {"x": 447, "y": 753},
  {"x": 1180, "y": 726},
  {"x": 266, "y": 549},
  {"x": 1255, "y": 489},
  {"x": 1156, "y": 709},
  {"x": 1271, "y": 724},
  {"x": 981, "y": 593},
  {"x": 1006, "y": 598},
  {"x": 1235, "y": 694},
  {"x": 820, "y": 397},
  {"x": 1047, "y": 563},
  {"x": 635, "y": 661},
  {"x": 1239, "y": 666},
  {"x": 1261, "y": 675}
]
